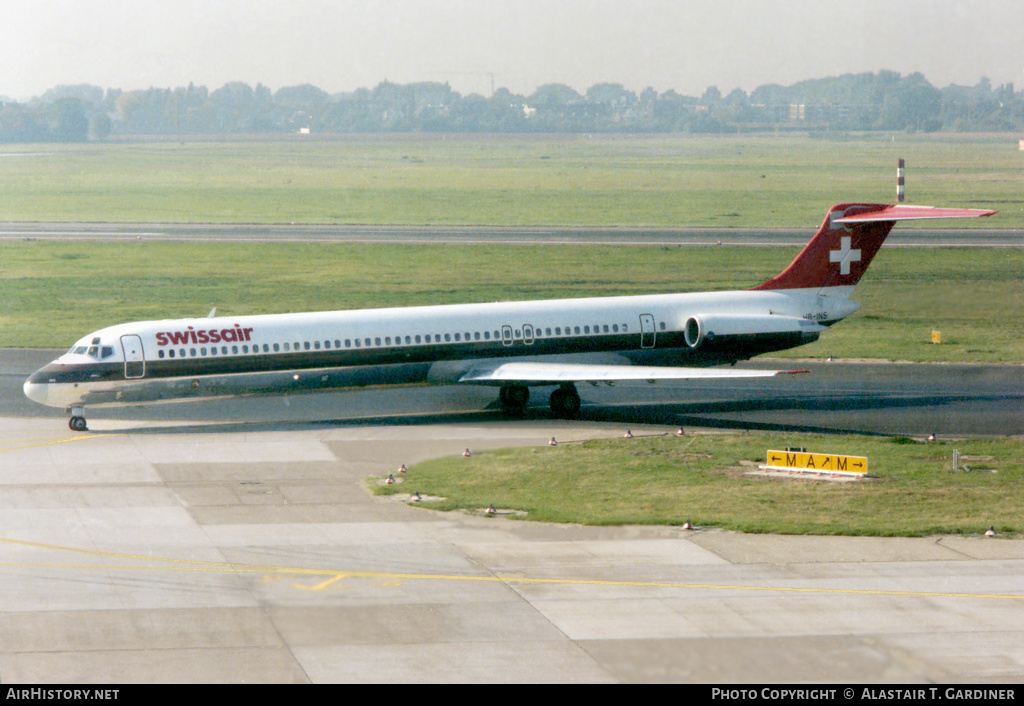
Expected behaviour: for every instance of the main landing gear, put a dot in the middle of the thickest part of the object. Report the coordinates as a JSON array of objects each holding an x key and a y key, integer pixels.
[
  {"x": 77, "y": 422},
  {"x": 565, "y": 401}
]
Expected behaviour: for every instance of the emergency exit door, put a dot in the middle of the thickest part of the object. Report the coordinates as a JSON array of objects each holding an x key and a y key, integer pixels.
[{"x": 647, "y": 333}]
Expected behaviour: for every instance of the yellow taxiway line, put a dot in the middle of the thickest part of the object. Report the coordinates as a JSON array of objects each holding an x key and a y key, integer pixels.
[
  {"x": 38, "y": 443},
  {"x": 333, "y": 576}
]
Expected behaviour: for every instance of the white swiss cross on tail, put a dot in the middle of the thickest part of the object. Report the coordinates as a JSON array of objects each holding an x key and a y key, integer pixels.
[{"x": 844, "y": 255}]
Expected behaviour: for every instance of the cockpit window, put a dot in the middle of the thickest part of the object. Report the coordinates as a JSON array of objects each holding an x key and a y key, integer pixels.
[{"x": 94, "y": 351}]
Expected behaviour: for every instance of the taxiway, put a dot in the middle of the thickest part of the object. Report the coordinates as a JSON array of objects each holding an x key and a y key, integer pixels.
[{"x": 236, "y": 542}]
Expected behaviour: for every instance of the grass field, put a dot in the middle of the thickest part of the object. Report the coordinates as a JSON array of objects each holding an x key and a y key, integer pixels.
[
  {"x": 705, "y": 479},
  {"x": 630, "y": 180},
  {"x": 972, "y": 296}
]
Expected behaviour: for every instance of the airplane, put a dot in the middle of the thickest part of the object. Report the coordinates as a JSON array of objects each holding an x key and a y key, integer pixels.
[{"x": 509, "y": 345}]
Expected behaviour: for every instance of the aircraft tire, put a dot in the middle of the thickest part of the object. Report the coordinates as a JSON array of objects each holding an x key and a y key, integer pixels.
[
  {"x": 78, "y": 424},
  {"x": 565, "y": 402},
  {"x": 514, "y": 397}
]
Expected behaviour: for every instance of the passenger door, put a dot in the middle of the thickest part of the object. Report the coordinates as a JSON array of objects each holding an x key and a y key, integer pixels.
[{"x": 134, "y": 360}]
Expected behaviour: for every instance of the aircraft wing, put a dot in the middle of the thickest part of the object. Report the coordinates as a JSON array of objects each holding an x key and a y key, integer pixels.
[{"x": 557, "y": 373}]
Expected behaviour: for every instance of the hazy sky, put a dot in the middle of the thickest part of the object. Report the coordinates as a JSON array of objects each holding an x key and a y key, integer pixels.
[{"x": 340, "y": 45}]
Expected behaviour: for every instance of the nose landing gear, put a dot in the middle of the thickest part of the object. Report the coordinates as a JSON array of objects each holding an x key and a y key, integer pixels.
[{"x": 77, "y": 422}]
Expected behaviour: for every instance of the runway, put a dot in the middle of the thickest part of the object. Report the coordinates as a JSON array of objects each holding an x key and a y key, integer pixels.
[
  {"x": 466, "y": 235},
  {"x": 237, "y": 542}
]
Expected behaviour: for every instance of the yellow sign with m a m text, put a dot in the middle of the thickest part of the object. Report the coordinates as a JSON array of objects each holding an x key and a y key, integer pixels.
[{"x": 818, "y": 462}]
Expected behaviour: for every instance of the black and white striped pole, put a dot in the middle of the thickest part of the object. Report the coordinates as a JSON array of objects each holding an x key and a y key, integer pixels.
[{"x": 900, "y": 189}]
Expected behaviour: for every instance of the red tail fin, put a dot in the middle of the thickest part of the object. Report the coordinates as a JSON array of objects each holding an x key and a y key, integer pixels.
[{"x": 847, "y": 241}]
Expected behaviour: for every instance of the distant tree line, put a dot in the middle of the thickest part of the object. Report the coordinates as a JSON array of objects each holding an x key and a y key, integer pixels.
[{"x": 853, "y": 102}]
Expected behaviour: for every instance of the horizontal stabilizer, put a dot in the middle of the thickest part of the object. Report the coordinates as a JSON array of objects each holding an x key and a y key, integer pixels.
[
  {"x": 912, "y": 213},
  {"x": 557, "y": 373}
]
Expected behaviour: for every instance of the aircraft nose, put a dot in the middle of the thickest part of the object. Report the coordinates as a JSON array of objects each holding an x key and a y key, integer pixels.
[
  {"x": 37, "y": 386},
  {"x": 35, "y": 391}
]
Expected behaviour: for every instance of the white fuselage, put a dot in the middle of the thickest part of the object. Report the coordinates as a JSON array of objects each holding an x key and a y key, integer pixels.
[{"x": 164, "y": 360}]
